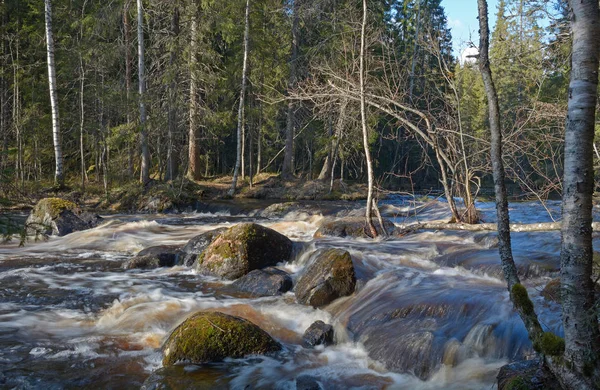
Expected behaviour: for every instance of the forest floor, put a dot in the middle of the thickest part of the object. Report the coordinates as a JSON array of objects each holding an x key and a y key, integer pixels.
[{"x": 182, "y": 194}]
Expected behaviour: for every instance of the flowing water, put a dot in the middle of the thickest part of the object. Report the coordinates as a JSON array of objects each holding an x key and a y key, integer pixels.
[{"x": 430, "y": 311}]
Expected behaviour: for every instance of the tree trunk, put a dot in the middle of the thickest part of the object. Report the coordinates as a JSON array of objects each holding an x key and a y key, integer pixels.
[
  {"x": 193, "y": 152},
  {"x": 240, "y": 122},
  {"x": 414, "y": 56},
  {"x": 81, "y": 124},
  {"x": 58, "y": 173},
  {"x": 171, "y": 169},
  {"x": 127, "y": 39},
  {"x": 287, "y": 171},
  {"x": 145, "y": 166},
  {"x": 363, "y": 120},
  {"x": 517, "y": 291},
  {"x": 326, "y": 171},
  {"x": 580, "y": 320}
]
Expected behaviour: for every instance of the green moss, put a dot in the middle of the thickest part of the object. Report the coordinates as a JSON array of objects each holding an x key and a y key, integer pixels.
[
  {"x": 54, "y": 206},
  {"x": 224, "y": 250},
  {"x": 213, "y": 336},
  {"x": 551, "y": 344},
  {"x": 517, "y": 383},
  {"x": 521, "y": 299}
]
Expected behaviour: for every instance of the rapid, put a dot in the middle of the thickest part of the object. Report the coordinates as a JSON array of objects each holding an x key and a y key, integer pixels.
[{"x": 430, "y": 311}]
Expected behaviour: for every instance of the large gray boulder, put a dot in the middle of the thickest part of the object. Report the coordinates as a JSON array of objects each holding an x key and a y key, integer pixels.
[
  {"x": 243, "y": 248},
  {"x": 329, "y": 276},
  {"x": 197, "y": 245},
  {"x": 210, "y": 336},
  {"x": 59, "y": 217}
]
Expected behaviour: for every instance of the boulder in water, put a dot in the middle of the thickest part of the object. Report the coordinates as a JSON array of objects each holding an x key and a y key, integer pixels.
[
  {"x": 198, "y": 244},
  {"x": 329, "y": 276},
  {"x": 59, "y": 217},
  {"x": 243, "y": 248},
  {"x": 351, "y": 227},
  {"x": 269, "y": 281},
  {"x": 155, "y": 257},
  {"x": 209, "y": 336},
  {"x": 319, "y": 333},
  {"x": 526, "y": 374},
  {"x": 307, "y": 382}
]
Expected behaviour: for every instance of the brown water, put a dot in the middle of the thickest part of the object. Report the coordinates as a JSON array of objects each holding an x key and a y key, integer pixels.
[{"x": 431, "y": 310}]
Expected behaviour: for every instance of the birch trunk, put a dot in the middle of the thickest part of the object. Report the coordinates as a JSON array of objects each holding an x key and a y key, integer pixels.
[
  {"x": 240, "y": 122},
  {"x": 509, "y": 269},
  {"x": 193, "y": 152},
  {"x": 580, "y": 320},
  {"x": 363, "y": 120},
  {"x": 287, "y": 170},
  {"x": 58, "y": 156},
  {"x": 145, "y": 166}
]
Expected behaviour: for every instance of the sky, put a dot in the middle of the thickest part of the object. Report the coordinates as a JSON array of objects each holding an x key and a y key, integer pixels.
[{"x": 462, "y": 19}]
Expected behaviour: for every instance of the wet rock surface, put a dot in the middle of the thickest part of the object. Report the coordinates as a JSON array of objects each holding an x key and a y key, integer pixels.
[
  {"x": 526, "y": 374},
  {"x": 330, "y": 276},
  {"x": 207, "y": 337},
  {"x": 155, "y": 257},
  {"x": 351, "y": 227},
  {"x": 243, "y": 248},
  {"x": 269, "y": 281},
  {"x": 59, "y": 217},
  {"x": 197, "y": 245},
  {"x": 319, "y": 333}
]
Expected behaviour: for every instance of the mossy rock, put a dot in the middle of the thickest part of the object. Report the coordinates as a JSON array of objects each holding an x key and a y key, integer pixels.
[
  {"x": 526, "y": 375},
  {"x": 198, "y": 244},
  {"x": 352, "y": 227},
  {"x": 329, "y": 276},
  {"x": 243, "y": 248},
  {"x": 209, "y": 336},
  {"x": 59, "y": 217}
]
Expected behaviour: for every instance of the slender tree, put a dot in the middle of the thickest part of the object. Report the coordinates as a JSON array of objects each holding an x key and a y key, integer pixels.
[
  {"x": 145, "y": 166},
  {"x": 240, "y": 120},
  {"x": 193, "y": 153},
  {"x": 580, "y": 320},
  {"x": 287, "y": 170},
  {"x": 58, "y": 156}
]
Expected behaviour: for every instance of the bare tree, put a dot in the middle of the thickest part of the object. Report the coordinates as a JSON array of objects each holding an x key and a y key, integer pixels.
[
  {"x": 145, "y": 166},
  {"x": 287, "y": 170},
  {"x": 240, "y": 121},
  {"x": 58, "y": 156}
]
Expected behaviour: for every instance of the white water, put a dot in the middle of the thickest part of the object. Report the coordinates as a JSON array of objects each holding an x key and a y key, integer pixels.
[{"x": 430, "y": 304}]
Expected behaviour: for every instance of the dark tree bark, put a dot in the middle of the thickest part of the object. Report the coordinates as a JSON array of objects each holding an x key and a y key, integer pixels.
[
  {"x": 145, "y": 166},
  {"x": 580, "y": 320},
  {"x": 171, "y": 170}
]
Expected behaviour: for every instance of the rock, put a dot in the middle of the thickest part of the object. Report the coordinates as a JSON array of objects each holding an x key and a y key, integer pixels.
[
  {"x": 329, "y": 276},
  {"x": 59, "y": 217},
  {"x": 351, "y": 227},
  {"x": 526, "y": 375},
  {"x": 155, "y": 257},
  {"x": 307, "y": 382},
  {"x": 180, "y": 377},
  {"x": 264, "y": 282},
  {"x": 197, "y": 245},
  {"x": 319, "y": 333},
  {"x": 243, "y": 248},
  {"x": 207, "y": 337},
  {"x": 552, "y": 291}
]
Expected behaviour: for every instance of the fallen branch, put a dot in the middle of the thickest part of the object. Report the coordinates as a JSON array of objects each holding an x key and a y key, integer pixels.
[{"x": 514, "y": 227}]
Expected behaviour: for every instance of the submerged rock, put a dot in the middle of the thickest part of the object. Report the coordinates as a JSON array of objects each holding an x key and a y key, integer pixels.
[
  {"x": 180, "y": 377},
  {"x": 351, "y": 227},
  {"x": 59, "y": 217},
  {"x": 155, "y": 257},
  {"x": 526, "y": 374},
  {"x": 307, "y": 382},
  {"x": 319, "y": 333},
  {"x": 207, "y": 337},
  {"x": 243, "y": 248},
  {"x": 264, "y": 282},
  {"x": 329, "y": 276},
  {"x": 551, "y": 291},
  {"x": 197, "y": 245}
]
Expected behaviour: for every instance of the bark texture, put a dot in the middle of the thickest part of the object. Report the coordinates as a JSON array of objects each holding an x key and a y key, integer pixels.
[
  {"x": 580, "y": 321},
  {"x": 58, "y": 156},
  {"x": 240, "y": 123},
  {"x": 145, "y": 166}
]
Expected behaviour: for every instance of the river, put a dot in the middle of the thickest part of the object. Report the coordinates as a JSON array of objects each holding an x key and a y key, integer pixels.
[{"x": 430, "y": 311}]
